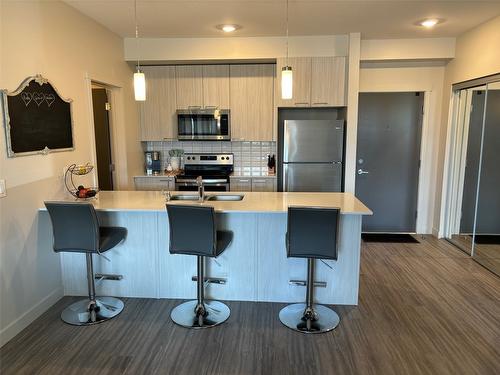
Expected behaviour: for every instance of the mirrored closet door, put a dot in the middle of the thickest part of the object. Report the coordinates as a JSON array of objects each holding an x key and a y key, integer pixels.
[
  {"x": 473, "y": 204},
  {"x": 486, "y": 249}
]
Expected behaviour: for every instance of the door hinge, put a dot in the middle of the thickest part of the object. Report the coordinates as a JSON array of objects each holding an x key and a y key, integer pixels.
[
  {"x": 107, "y": 106},
  {"x": 416, "y": 214},
  {"x": 422, "y": 109},
  {"x": 419, "y": 164},
  {"x": 111, "y": 167}
]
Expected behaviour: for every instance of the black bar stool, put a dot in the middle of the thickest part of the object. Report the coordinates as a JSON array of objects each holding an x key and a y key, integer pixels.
[
  {"x": 312, "y": 234},
  {"x": 76, "y": 229},
  {"x": 193, "y": 231}
]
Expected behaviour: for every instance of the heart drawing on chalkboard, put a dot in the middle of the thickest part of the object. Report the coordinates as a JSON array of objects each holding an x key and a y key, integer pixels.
[
  {"x": 49, "y": 98},
  {"x": 26, "y": 97},
  {"x": 38, "y": 97}
]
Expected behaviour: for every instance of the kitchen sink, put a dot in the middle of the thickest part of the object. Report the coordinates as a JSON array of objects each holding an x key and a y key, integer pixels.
[
  {"x": 184, "y": 197},
  {"x": 225, "y": 197}
]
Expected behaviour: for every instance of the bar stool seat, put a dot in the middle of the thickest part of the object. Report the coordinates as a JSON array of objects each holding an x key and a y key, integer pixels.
[
  {"x": 193, "y": 231},
  {"x": 110, "y": 237},
  {"x": 76, "y": 229},
  {"x": 312, "y": 234}
]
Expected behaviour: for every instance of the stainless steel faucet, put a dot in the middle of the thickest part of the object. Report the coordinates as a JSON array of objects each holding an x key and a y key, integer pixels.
[{"x": 201, "y": 188}]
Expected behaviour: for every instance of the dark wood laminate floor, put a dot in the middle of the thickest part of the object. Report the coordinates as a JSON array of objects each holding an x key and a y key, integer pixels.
[{"x": 423, "y": 309}]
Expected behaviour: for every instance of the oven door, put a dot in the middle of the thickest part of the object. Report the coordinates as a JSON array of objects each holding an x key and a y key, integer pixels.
[{"x": 203, "y": 125}]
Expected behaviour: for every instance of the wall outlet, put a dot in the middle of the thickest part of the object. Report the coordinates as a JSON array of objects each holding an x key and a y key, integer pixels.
[{"x": 3, "y": 189}]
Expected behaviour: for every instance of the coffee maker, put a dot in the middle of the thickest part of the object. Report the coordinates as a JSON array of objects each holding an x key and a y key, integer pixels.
[{"x": 153, "y": 162}]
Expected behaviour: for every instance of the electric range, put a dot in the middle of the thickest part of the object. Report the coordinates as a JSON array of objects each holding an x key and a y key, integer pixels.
[{"x": 214, "y": 169}]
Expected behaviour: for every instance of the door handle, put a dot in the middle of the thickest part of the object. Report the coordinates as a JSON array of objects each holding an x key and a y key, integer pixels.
[{"x": 360, "y": 171}]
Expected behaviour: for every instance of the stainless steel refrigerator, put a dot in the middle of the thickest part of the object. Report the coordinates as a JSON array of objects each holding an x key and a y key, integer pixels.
[{"x": 312, "y": 153}]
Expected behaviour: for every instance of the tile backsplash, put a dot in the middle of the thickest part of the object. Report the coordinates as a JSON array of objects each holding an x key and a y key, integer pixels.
[{"x": 250, "y": 158}]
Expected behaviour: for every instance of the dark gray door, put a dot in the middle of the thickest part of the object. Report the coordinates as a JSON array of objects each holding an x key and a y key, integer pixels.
[
  {"x": 102, "y": 139},
  {"x": 388, "y": 159}
]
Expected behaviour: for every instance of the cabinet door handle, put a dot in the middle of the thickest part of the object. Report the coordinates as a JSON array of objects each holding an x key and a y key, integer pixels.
[
  {"x": 165, "y": 180},
  {"x": 243, "y": 180},
  {"x": 194, "y": 106},
  {"x": 322, "y": 103},
  {"x": 211, "y": 106},
  {"x": 302, "y": 103}
]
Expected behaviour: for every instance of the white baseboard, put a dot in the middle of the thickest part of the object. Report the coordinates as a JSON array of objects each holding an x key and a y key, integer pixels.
[
  {"x": 7, "y": 333},
  {"x": 435, "y": 232}
]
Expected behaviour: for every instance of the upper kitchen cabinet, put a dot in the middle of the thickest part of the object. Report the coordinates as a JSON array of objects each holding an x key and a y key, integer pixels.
[
  {"x": 252, "y": 88},
  {"x": 189, "y": 83},
  {"x": 301, "y": 67},
  {"x": 157, "y": 114},
  {"x": 317, "y": 82},
  {"x": 216, "y": 86},
  {"x": 328, "y": 81}
]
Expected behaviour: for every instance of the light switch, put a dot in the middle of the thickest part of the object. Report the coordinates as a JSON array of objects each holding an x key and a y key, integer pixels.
[{"x": 3, "y": 189}]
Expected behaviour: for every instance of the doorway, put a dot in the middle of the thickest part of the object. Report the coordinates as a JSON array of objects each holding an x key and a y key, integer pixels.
[
  {"x": 388, "y": 159},
  {"x": 102, "y": 136}
]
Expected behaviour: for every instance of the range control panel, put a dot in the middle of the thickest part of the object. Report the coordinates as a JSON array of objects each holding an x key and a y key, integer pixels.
[{"x": 213, "y": 159}]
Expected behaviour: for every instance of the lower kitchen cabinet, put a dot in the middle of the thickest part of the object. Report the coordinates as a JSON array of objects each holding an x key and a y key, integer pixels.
[
  {"x": 263, "y": 184},
  {"x": 154, "y": 183},
  {"x": 241, "y": 184},
  {"x": 253, "y": 183}
]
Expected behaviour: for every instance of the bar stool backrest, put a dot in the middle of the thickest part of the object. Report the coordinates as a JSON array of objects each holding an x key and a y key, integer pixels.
[
  {"x": 192, "y": 230},
  {"x": 312, "y": 232},
  {"x": 75, "y": 226}
]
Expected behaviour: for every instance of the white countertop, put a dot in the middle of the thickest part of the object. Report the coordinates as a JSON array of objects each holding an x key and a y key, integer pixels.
[
  {"x": 161, "y": 175},
  {"x": 267, "y": 202},
  {"x": 253, "y": 176},
  {"x": 173, "y": 174}
]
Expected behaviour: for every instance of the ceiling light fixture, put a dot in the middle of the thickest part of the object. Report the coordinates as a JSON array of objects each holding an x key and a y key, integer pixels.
[
  {"x": 429, "y": 22},
  {"x": 286, "y": 71},
  {"x": 139, "y": 78},
  {"x": 228, "y": 28}
]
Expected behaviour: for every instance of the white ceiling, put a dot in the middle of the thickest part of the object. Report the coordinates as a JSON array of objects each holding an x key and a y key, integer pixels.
[{"x": 374, "y": 19}]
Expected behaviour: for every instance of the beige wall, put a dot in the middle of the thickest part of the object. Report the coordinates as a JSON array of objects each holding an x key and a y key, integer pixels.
[
  {"x": 477, "y": 55},
  {"x": 407, "y": 49},
  {"x": 430, "y": 81},
  {"x": 193, "y": 49},
  {"x": 66, "y": 47}
]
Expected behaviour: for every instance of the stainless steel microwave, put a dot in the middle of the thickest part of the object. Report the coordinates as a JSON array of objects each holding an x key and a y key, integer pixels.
[{"x": 204, "y": 124}]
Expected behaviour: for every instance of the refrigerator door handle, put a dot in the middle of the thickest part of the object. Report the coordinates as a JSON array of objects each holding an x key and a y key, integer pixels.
[{"x": 285, "y": 180}]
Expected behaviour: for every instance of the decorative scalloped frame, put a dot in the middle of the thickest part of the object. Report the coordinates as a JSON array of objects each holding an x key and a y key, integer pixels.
[{"x": 6, "y": 119}]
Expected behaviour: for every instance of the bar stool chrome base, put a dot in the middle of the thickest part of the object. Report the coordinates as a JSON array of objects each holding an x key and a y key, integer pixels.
[
  {"x": 325, "y": 319},
  {"x": 82, "y": 313},
  {"x": 185, "y": 316}
]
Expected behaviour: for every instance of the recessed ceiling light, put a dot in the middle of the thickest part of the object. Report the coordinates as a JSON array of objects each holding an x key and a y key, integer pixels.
[
  {"x": 429, "y": 22},
  {"x": 228, "y": 28}
]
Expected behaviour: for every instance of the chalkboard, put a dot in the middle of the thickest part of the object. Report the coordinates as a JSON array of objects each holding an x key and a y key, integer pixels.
[{"x": 36, "y": 119}]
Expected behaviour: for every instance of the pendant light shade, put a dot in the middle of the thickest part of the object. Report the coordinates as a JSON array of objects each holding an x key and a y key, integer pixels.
[
  {"x": 139, "y": 86},
  {"x": 286, "y": 71},
  {"x": 286, "y": 83}
]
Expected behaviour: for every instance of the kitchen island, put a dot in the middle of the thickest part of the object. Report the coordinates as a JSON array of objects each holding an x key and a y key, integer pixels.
[{"x": 254, "y": 266}]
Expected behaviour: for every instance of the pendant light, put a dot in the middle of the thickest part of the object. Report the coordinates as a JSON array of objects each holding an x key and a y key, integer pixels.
[
  {"x": 139, "y": 78},
  {"x": 286, "y": 71}
]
